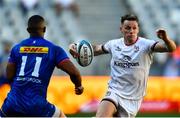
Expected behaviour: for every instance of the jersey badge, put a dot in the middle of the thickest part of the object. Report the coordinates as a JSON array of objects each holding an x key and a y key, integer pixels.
[{"x": 136, "y": 48}]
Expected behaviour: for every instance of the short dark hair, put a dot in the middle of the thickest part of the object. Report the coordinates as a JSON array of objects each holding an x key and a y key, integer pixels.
[
  {"x": 34, "y": 21},
  {"x": 130, "y": 17}
]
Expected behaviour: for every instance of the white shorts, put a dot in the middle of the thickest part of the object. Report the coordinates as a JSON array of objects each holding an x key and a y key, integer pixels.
[
  {"x": 56, "y": 112},
  {"x": 125, "y": 107}
]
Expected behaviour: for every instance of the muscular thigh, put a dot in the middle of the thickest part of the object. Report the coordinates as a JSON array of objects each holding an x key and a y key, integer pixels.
[
  {"x": 106, "y": 109},
  {"x": 108, "y": 106}
]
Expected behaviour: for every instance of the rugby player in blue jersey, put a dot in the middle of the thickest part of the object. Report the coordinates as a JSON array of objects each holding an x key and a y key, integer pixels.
[{"x": 31, "y": 64}]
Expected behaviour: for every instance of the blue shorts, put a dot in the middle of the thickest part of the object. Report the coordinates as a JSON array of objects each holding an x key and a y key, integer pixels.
[{"x": 10, "y": 109}]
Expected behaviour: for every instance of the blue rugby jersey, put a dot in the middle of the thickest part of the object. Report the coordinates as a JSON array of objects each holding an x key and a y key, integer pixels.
[{"x": 35, "y": 60}]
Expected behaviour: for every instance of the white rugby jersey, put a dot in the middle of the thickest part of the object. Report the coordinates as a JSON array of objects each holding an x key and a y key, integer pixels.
[{"x": 129, "y": 66}]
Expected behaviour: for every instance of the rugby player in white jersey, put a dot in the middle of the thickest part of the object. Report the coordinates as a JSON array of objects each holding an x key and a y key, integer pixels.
[{"x": 130, "y": 64}]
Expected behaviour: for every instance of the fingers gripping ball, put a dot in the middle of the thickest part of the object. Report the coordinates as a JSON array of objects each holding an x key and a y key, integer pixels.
[{"x": 85, "y": 51}]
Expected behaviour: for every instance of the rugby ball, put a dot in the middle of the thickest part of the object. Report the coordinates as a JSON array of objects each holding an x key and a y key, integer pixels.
[{"x": 86, "y": 53}]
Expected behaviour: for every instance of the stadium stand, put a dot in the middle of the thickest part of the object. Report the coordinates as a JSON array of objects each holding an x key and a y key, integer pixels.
[
  {"x": 152, "y": 16},
  {"x": 155, "y": 14},
  {"x": 98, "y": 22}
]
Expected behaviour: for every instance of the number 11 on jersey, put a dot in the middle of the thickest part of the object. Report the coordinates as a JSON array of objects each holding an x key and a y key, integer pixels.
[{"x": 35, "y": 72}]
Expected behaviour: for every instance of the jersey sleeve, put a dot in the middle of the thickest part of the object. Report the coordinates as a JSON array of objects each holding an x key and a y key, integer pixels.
[
  {"x": 60, "y": 55},
  {"x": 107, "y": 47},
  {"x": 150, "y": 45}
]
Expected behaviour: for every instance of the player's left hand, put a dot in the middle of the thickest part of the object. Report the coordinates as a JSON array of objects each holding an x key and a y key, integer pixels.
[
  {"x": 161, "y": 33},
  {"x": 79, "y": 90},
  {"x": 73, "y": 50}
]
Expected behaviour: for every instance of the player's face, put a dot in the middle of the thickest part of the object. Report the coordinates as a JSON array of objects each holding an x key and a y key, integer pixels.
[{"x": 130, "y": 30}]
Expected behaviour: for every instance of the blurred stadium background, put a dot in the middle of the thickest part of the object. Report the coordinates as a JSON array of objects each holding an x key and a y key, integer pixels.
[{"x": 97, "y": 21}]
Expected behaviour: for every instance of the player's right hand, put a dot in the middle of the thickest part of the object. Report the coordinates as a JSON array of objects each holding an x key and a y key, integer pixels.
[
  {"x": 161, "y": 33},
  {"x": 73, "y": 50},
  {"x": 79, "y": 90}
]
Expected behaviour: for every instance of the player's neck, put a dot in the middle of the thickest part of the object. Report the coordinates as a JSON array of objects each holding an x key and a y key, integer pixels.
[
  {"x": 129, "y": 42},
  {"x": 36, "y": 35}
]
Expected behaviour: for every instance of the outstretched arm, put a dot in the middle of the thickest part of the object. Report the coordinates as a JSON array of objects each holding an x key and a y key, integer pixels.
[
  {"x": 68, "y": 67},
  {"x": 98, "y": 50},
  {"x": 168, "y": 45}
]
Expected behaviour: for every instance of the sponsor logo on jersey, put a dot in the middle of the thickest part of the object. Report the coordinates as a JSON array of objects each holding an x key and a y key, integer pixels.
[
  {"x": 33, "y": 49},
  {"x": 29, "y": 79},
  {"x": 126, "y": 58},
  {"x": 124, "y": 62},
  {"x": 118, "y": 48}
]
